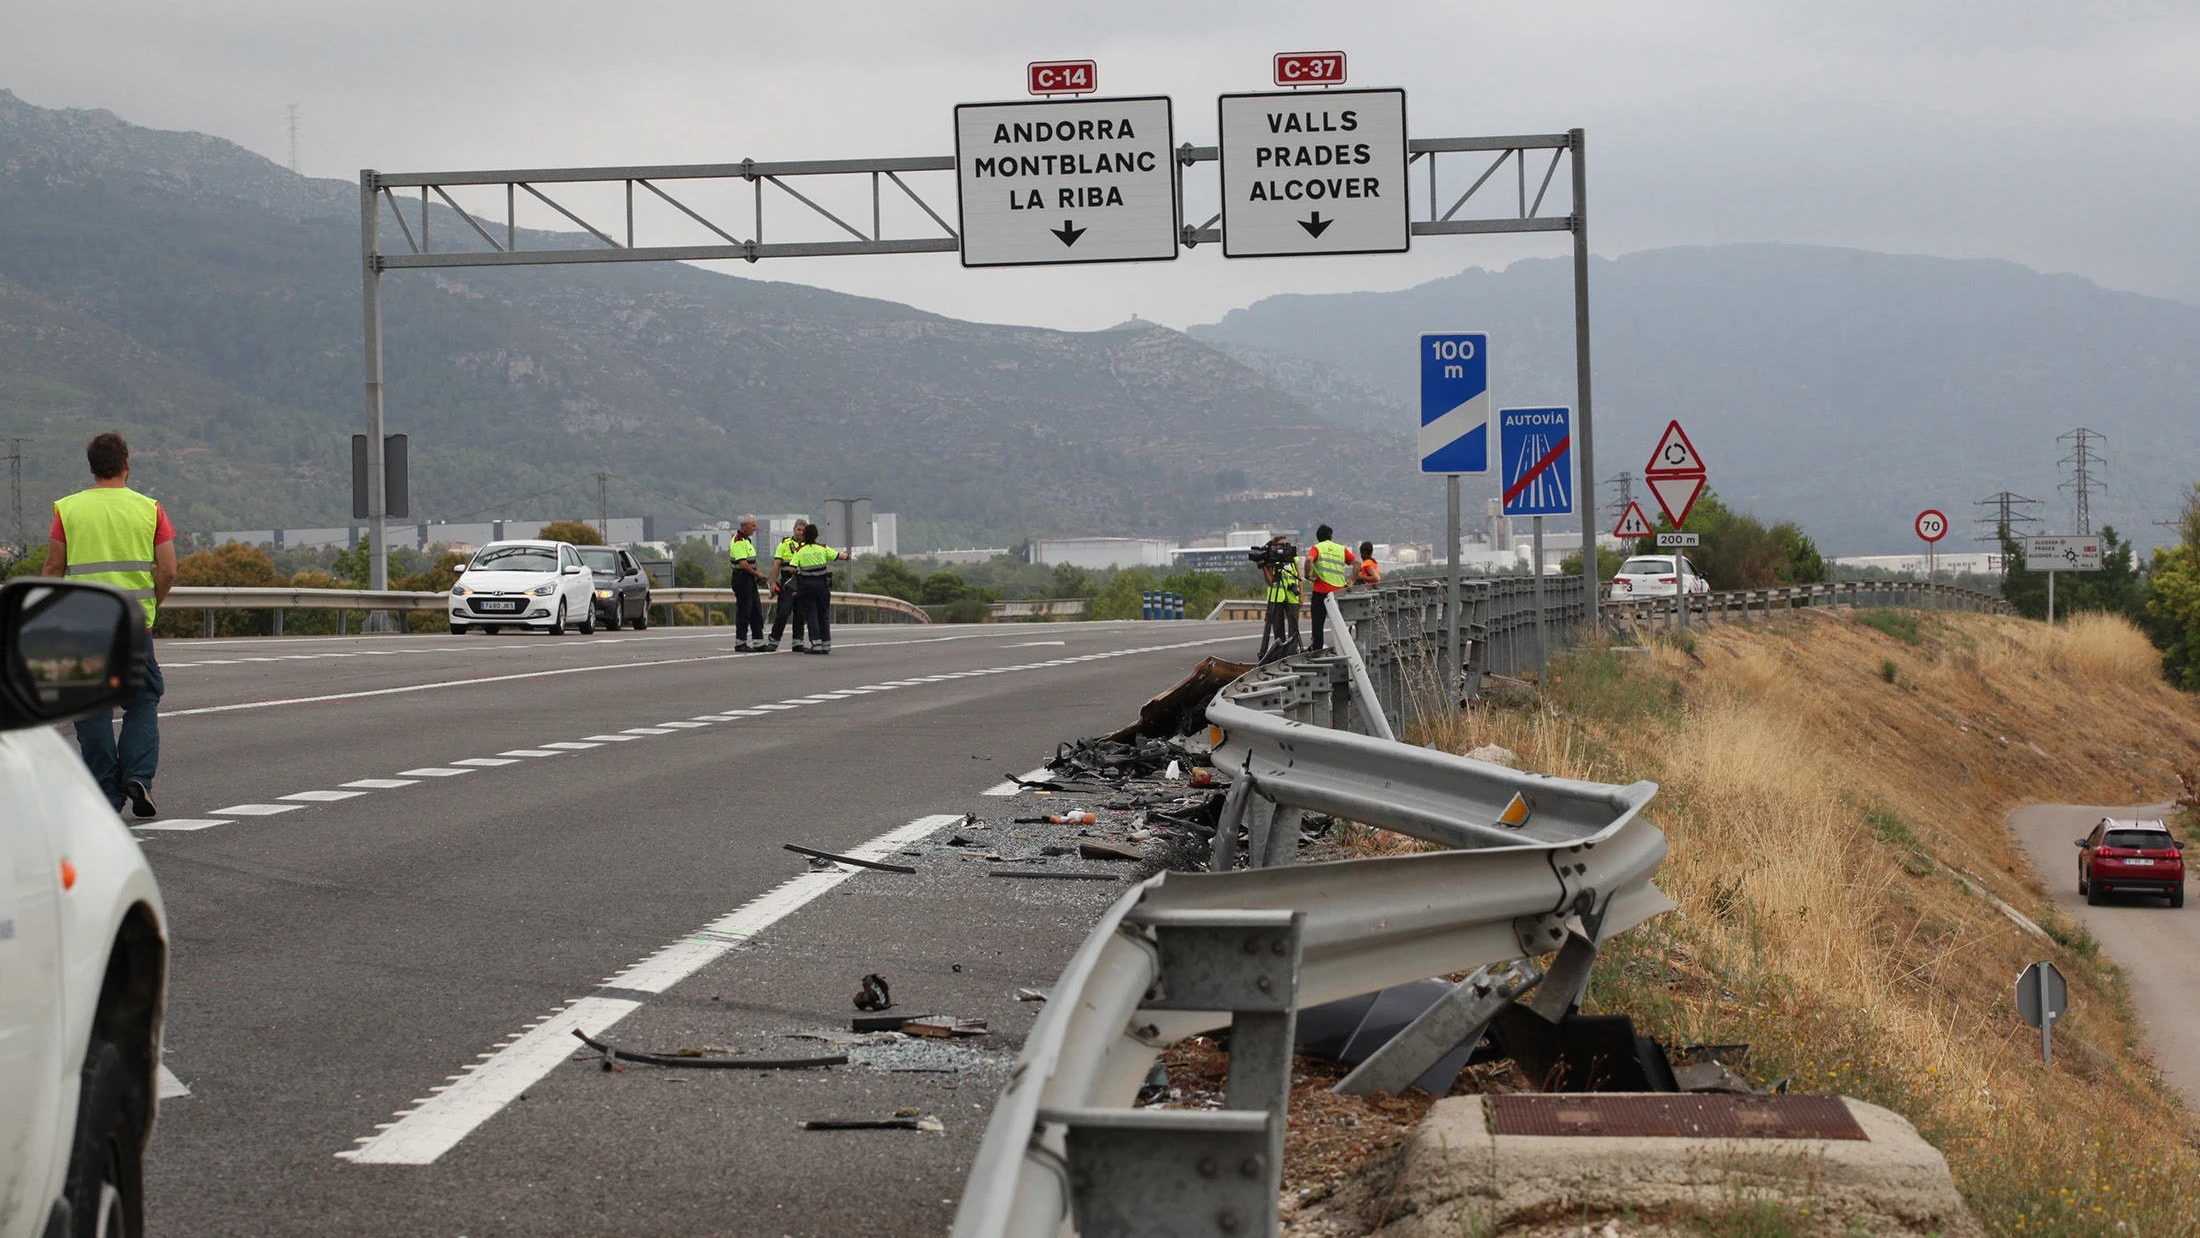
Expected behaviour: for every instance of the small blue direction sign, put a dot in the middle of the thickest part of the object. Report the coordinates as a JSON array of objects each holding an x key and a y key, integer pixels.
[
  {"x": 1455, "y": 402},
  {"x": 1535, "y": 457}
]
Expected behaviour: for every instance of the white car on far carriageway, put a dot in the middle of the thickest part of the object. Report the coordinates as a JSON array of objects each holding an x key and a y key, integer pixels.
[
  {"x": 524, "y": 585},
  {"x": 1655, "y": 576}
]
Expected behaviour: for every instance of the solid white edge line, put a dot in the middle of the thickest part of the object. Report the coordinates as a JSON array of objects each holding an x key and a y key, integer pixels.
[
  {"x": 181, "y": 824},
  {"x": 437, "y": 1125}
]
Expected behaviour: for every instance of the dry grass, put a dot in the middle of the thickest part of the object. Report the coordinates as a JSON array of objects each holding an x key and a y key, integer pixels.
[{"x": 1814, "y": 809}]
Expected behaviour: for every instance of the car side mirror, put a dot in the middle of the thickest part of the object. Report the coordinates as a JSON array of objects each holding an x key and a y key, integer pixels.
[
  {"x": 2081, "y": 842},
  {"x": 67, "y": 649},
  {"x": 571, "y": 570}
]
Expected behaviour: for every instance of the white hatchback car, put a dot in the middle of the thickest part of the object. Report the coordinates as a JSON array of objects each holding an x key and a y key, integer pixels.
[
  {"x": 83, "y": 935},
  {"x": 1656, "y": 576},
  {"x": 524, "y": 585}
]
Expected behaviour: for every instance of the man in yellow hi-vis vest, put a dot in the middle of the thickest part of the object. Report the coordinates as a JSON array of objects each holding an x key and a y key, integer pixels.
[
  {"x": 1329, "y": 569},
  {"x": 115, "y": 536}
]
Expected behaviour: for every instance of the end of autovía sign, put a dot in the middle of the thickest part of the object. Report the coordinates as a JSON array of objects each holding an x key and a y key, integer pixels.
[
  {"x": 1321, "y": 172},
  {"x": 1072, "y": 180}
]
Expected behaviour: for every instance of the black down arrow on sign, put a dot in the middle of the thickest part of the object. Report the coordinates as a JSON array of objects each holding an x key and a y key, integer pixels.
[
  {"x": 1315, "y": 225},
  {"x": 1069, "y": 232}
]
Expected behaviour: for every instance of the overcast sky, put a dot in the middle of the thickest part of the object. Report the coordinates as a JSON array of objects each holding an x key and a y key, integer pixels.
[{"x": 2065, "y": 136}]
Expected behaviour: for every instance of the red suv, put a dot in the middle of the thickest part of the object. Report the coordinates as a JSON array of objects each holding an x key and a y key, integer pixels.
[{"x": 2130, "y": 857}]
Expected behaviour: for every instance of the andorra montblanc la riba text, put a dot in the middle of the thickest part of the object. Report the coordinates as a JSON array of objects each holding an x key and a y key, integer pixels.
[{"x": 1038, "y": 162}]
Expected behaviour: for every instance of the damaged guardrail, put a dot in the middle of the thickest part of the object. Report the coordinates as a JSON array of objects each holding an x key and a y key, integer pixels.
[{"x": 1537, "y": 865}]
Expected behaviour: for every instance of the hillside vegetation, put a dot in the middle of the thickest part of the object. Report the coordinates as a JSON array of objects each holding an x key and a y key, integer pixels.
[{"x": 1834, "y": 787}]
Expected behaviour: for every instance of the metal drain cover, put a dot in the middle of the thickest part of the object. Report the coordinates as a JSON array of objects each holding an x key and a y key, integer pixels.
[{"x": 1675, "y": 1116}]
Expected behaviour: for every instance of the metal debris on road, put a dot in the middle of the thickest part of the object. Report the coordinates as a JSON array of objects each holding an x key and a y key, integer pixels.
[
  {"x": 873, "y": 994},
  {"x": 815, "y": 854},
  {"x": 1031, "y": 995},
  {"x": 1052, "y": 876},
  {"x": 613, "y": 1056},
  {"x": 1064, "y": 818},
  {"x": 1109, "y": 851},
  {"x": 943, "y": 1026},
  {"x": 903, "y": 1120}
]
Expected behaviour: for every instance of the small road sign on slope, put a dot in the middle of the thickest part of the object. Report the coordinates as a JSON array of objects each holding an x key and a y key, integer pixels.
[
  {"x": 1081, "y": 180},
  {"x": 1455, "y": 402},
  {"x": 2062, "y": 554},
  {"x": 1675, "y": 474},
  {"x": 1314, "y": 172},
  {"x": 1632, "y": 523},
  {"x": 1535, "y": 459}
]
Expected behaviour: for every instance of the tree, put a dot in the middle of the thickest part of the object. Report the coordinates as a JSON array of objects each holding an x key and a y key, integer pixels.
[
  {"x": 1608, "y": 561},
  {"x": 891, "y": 577},
  {"x": 233, "y": 565},
  {"x": 572, "y": 532},
  {"x": 2117, "y": 588},
  {"x": 2173, "y": 602},
  {"x": 1740, "y": 552},
  {"x": 29, "y": 565}
]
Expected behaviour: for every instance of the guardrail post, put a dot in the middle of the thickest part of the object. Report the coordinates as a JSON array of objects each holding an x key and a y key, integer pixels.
[
  {"x": 1224, "y": 856},
  {"x": 278, "y": 626},
  {"x": 207, "y": 624},
  {"x": 1457, "y": 1019}
]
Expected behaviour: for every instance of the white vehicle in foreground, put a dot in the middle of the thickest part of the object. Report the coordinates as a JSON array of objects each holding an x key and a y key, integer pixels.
[
  {"x": 1656, "y": 576},
  {"x": 83, "y": 936},
  {"x": 524, "y": 585}
]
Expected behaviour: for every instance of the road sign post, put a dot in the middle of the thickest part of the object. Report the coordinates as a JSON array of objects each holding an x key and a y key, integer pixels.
[
  {"x": 1455, "y": 439},
  {"x": 1066, "y": 181},
  {"x": 1536, "y": 479},
  {"x": 2061, "y": 554},
  {"x": 2043, "y": 998},
  {"x": 1931, "y": 525},
  {"x": 1676, "y": 477},
  {"x": 1321, "y": 172}
]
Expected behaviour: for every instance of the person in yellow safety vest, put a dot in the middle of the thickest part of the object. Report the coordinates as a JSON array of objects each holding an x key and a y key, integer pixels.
[
  {"x": 748, "y": 609},
  {"x": 1279, "y": 636},
  {"x": 1369, "y": 572},
  {"x": 116, "y": 536},
  {"x": 813, "y": 577},
  {"x": 1329, "y": 567},
  {"x": 785, "y": 605}
]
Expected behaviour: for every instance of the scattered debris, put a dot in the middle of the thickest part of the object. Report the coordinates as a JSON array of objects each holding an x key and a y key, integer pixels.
[
  {"x": 1183, "y": 708},
  {"x": 1115, "y": 761},
  {"x": 1065, "y": 818},
  {"x": 1495, "y": 755},
  {"x": 1109, "y": 851},
  {"x": 613, "y": 1055},
  {"x": 1031, "y": 995},
  {"x": 1055, "y": 876},
  {"x": 877, "y": 1023},
  {"x": 942, "y": 1026},
  {"x": 1156, "y": 1087},
  {"x": 815, "y": 854},
  {"x": 904, "y": 1119},
  {"x": 874, "y": 995}
]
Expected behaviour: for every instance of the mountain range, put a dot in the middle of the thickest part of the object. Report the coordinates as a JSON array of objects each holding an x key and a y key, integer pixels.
[{"x": 205, "y": 301}]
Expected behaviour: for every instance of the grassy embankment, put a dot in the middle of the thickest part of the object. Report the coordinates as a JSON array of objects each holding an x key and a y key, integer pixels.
[{"x": 1829, "y": 783}]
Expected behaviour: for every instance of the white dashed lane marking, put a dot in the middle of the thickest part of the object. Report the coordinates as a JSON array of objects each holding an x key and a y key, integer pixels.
[
  {"x": 467, "y": 765},
  {"x": 436, "y": 1123}
]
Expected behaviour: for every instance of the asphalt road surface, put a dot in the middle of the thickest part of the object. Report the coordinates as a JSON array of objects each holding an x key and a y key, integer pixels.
[
  {"x": 400, "y": 871},
  {"x": 2158, "y": 948}
]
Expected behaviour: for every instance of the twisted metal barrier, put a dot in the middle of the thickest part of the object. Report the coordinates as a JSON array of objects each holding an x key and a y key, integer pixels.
[{"x": 1534, "y": 866}]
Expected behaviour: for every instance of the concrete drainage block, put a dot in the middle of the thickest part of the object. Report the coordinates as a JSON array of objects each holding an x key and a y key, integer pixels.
[{"x": 1486, "y": 1164}]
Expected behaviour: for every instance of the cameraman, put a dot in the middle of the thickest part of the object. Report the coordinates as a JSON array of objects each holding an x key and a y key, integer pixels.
[{"x": 1279, "y": 566}]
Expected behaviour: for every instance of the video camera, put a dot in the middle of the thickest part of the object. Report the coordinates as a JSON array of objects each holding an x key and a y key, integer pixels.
[{"x": 1273, "y": 555}]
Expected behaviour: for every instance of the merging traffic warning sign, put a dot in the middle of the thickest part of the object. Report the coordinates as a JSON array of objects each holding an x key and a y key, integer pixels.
[
  {"x": 1535, "y": 455},
  {"x": 1314, "y": 172},
  {"x": 1455, "y": 402},
  {"x": 1632, "y": 523},
  {"x": 1675, "y": 474},
  {"x": 1084, "y": 180}
]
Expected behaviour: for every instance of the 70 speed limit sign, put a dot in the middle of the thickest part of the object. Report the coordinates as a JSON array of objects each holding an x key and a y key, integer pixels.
[{"x": 1931, "y": 525}]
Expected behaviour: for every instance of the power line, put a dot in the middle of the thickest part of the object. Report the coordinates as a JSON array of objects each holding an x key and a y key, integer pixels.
[
  {"x": 1626, "y": 483},
  {"x": 15, "y": 494},
  {"x": 603, "y": 505},
  {"x": 2084, "y": 463},
  {"x": 293, "y": 110},
  {"x": 2006, "y": 517}
]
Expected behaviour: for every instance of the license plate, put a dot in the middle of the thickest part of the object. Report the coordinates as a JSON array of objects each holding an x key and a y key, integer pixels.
[
  {"x": 2138, "y": 861},
  {"x": 500, "y": 606}
]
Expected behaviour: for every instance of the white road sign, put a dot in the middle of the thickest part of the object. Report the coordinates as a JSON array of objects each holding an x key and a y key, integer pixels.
[
  {"x": 2062, "y": 554},
  {"x": 1086, "y": 180},
  {"x": 1680, "y": 539},
  {"x": 1314, "y": 172}
]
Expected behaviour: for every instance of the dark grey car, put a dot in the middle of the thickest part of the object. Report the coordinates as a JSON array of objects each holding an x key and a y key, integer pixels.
[{"x": 622, "y": 588}]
